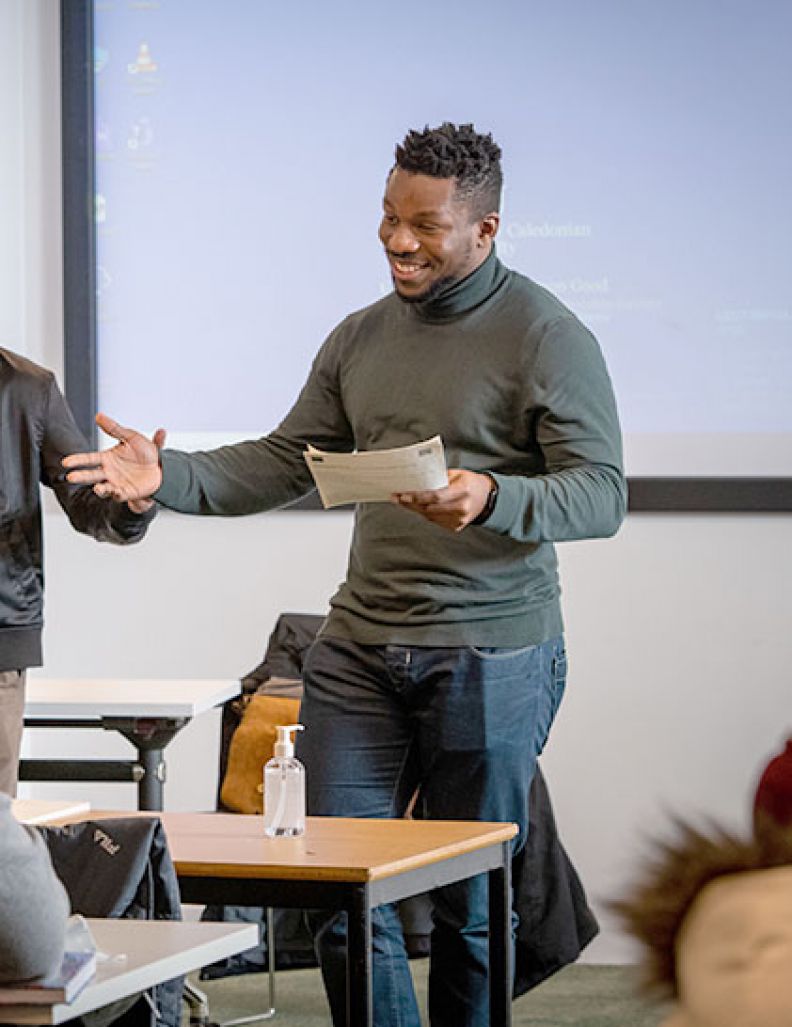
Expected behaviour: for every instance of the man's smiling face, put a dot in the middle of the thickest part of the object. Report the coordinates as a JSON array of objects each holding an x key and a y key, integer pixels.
[{"x": 430, "y": 236}]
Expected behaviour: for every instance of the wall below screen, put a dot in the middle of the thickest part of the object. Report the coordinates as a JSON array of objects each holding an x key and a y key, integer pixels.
[{"x": 678, "y": 629}]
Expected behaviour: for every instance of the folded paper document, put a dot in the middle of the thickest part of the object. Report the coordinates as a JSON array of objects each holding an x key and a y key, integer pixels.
[{"x": 373, "y": 475}]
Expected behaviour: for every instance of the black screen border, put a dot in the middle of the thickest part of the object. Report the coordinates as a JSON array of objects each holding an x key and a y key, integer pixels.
[{"x": 647, "y": 494}]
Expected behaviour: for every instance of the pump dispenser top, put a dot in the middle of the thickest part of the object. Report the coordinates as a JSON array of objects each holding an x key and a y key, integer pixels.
[{"x": 284, "y": 743}]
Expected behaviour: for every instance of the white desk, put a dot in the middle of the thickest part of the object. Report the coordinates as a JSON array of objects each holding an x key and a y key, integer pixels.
[
  {"x": 45, "y": 811},
  {"x": 156, "y": 951},
  {"x": 147, "y": 712}
]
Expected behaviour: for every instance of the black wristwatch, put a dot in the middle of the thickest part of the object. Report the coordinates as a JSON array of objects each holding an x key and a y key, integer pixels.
[{"x": 489, "y": 506}]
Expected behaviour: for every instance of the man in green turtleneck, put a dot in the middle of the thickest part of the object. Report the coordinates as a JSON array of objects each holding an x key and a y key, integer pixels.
[{"x": 441, "y": 664}]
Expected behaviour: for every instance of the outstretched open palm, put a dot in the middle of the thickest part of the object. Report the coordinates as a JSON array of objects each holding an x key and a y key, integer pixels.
[{"x": 129, "y": 472}]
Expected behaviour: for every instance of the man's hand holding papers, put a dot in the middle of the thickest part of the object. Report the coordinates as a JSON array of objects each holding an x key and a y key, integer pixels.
[
  {"x": 375, "y": 475},
  {"x": 413, "y": 476}
]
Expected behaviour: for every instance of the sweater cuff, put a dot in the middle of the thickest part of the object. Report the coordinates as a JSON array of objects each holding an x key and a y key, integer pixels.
[{"x": 176, "y": 478}]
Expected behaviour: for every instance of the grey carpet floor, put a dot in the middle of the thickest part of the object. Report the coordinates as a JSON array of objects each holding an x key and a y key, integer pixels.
[{"x": 579, "y": 996}]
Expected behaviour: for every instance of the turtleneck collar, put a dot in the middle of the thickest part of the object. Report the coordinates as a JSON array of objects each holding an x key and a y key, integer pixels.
[{"x": 463, "y": 296}]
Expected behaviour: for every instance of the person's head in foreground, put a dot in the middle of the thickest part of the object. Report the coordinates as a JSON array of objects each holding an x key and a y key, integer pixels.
[
  {"x": 713, "y": 914},
  {"x": 440, "y": 209}
]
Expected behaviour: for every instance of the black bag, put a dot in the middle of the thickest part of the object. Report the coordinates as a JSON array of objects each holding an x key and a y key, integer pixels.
[
  {"x": 121, "y": 868},
  {"x": 555, "y": 922}
]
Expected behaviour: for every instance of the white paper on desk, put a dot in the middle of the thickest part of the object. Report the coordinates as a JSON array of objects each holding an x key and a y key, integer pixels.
[{"x": 373, "y": 475}]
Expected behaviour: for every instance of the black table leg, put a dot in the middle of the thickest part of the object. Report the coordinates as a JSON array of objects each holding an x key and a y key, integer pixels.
[
  {"x": 500, "y": 942},
  {"x": 360, "y": 1009},
  {"x": 150, "y": 786},
  {"x": 149, "y": 736}
]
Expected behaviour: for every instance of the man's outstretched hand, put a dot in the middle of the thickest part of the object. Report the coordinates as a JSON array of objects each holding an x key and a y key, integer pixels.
[{"x": 129, "y": 472}]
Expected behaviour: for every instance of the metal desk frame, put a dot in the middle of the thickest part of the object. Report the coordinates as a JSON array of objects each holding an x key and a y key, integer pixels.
[
  {"x": 149, "y": 736},
  {"x": 358, "y": 899},
  {"x": 149, "y": 723}
]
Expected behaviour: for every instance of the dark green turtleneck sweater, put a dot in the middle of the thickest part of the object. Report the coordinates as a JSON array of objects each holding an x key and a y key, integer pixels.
[{"x": 515, "y": 385}]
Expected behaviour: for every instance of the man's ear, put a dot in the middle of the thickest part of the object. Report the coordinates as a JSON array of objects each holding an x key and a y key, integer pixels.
[{"x": 488, "y": 227}]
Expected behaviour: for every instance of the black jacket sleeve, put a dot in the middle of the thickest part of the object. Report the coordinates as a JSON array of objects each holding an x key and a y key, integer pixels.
[{"x": 104, "y": 519}]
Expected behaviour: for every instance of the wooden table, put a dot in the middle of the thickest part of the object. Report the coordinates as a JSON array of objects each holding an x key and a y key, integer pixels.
[
  {"x": 155, "y": 951},
  {"x": 351, "y": 865},
  {"x": 147, "y": 712}
]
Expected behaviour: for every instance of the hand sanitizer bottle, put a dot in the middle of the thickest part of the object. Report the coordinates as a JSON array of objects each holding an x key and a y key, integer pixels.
[{"x": 284, "y": 787}]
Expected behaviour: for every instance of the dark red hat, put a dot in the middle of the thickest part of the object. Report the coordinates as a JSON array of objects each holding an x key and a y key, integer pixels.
[{"x": 773, "y": 800}]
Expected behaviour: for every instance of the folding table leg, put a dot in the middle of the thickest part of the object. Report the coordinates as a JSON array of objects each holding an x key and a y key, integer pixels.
[
  {"x": 500, "y": 942},
  {"x": 360, "y": 1009},
  {"x": 199, "y": 1005}
]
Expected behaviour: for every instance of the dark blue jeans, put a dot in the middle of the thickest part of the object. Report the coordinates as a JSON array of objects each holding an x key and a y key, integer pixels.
[{"x": 464, "y": 726}]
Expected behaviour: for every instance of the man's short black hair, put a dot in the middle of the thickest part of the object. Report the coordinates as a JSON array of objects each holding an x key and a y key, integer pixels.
[{"x": 461, "y": 153}]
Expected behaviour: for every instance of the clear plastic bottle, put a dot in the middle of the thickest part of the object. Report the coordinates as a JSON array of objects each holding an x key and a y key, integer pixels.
[{"x": 284, "y": 787}]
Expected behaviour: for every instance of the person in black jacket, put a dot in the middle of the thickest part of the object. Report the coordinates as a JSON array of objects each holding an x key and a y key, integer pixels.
[{"x": 36, "y": 431}]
